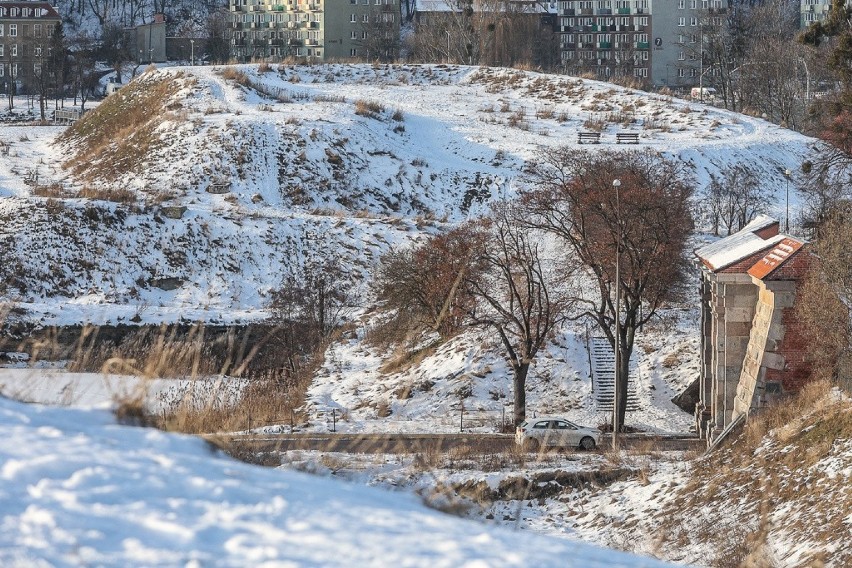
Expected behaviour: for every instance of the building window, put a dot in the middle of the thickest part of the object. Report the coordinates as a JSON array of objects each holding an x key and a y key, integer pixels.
[
  {"x": 363, "y": 35},
  {"x": 37, "y": 51},
  {"x": 352, "y": 18},
  {"x": 353, "y": 35},
  {"x": 365, "y": 18},
  {"x": 353, "y": 52},
  {"x": 681, "y": 4},
  {"x": 1, "y": 30},
  {"x": 681, "y": 56},
  {"x": 2, "y": 69},
  {"x": 14, "y": 50},
  {"x": 37, "y": 30},
  {"x": 1, "y": 49},
  {"x": 681, "y": 72},
  {"x": 681, "y": 22},
  {"x": 693, "y": 21},
  {"x": 13, "y": 30}
]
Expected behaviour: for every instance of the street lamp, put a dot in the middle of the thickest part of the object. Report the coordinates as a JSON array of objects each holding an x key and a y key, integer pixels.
[
  {"x": 192, "y": 52},
  {"x": 616, "y": 183},
  {"x": 787, "y": 174}
]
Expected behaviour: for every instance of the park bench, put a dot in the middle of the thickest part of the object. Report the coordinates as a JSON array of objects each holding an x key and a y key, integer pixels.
[
  {"x": 627, "y": 138},
  {"x": 589, "y": 137}
]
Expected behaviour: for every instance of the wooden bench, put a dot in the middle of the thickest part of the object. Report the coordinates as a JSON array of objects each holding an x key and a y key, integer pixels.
[
  {"x": 627, "y": 137},
  {"x": 66, "y": 116},
  {"x": 590, "y": 137}
]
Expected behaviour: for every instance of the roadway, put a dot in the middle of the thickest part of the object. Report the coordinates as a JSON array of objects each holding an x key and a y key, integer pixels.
[{"x": 470, "y": 443}]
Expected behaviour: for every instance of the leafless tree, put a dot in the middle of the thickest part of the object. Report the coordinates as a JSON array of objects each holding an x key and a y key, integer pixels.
[
  {"x": 638, "y": 230},
  {"x": 734, "y": 199},
  {"x": 521, "y": 294},
  {"x": 424, "y": 284}
]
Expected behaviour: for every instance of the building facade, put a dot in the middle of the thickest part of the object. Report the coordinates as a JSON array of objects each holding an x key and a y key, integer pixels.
[
  {"x": 315, "y": 29},
  {"x": 752, "y": 346},
  {"x": 26, "y": 30},
  {"x": 657, "y": 42}
]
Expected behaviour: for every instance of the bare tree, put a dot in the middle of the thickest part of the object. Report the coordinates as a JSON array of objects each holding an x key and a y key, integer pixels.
[
  {"x": 638, "y": 230},
  {"x": 519, "y": 296},
  {"x": 424, "y": 284},
  {"x": 734, "y": 199}
]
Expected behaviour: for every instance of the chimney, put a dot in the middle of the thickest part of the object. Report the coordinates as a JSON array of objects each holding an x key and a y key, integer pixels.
[{"x": 769, "y": 231}]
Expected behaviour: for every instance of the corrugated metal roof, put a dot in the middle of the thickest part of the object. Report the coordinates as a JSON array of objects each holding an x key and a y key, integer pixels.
[
  {"x": 739, "y": 245},
  {"x": 779, "y": 254}
]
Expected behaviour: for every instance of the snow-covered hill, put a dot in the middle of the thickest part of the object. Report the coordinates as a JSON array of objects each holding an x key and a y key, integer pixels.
[
  {"x": 353, "y": 157},
  {"x": 79, "y": 490}
]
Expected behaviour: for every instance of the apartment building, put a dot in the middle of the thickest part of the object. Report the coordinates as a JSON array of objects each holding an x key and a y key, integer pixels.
[
  {"x": 657, "y": 42},
  {"x": 316, "y": 29},
  {"x": 25, "y": 32},
  {"x": 812, "y": 11}
]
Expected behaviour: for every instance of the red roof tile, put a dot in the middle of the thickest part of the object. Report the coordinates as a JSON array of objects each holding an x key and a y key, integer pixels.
[{"x": 775, "y": 258}]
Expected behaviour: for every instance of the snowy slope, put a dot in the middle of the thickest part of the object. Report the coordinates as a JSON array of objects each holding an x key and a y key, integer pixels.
[
  {"x": 79, "y": 490},
  {"x": 304, "y": 161}
]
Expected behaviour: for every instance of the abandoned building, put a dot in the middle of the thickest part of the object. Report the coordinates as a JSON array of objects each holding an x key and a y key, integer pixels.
[{"x": 752, "y": 350}]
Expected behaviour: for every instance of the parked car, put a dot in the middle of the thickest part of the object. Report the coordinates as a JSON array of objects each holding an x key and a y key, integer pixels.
[{"x": 555, "y": 432}]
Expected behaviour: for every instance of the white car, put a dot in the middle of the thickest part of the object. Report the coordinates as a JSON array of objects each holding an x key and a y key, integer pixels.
[{"x": 555, "y": 432}]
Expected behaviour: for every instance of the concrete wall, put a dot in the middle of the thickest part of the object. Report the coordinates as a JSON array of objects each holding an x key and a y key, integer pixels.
[{"x": 728, "y": 310}]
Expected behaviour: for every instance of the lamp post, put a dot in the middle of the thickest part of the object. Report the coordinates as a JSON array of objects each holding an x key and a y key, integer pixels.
[
  {"x": 448, "y": 46},
  {"x": 192, "y": 52},
  {"x": 616, "y": 183},
  {"x": 787, "y": 201}
]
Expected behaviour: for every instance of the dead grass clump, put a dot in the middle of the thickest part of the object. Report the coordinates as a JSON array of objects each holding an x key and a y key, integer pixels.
[
  {"x": 235, "y": 75},
  {"x": 56, "y": 190},
  {"x": 117, "y": 195},
  {"x": 370, "y": 109},
  {"x": 264, "y": 67},
  {"x": 403, "y": 358}
]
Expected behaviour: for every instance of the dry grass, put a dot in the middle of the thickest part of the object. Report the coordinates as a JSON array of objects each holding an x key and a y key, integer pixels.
[
  {"x": 120, "y": 133},
  {"x": 235, "y": 75},
  {"x": 117, "y": 195},
  {"x": 371, "y": 109}
]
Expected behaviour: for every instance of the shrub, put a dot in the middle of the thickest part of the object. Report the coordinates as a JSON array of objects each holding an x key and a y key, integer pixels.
[{"x": 370, "y": 109}]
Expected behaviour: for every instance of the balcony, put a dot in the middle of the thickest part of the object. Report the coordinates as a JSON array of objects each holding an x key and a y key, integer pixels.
[
  {"x": 605, "y": 45},
  {"x": 643, "y": 45},
  {"x": 314, "y": 25},
  {"x": 569, "y": 46},
  {"x": 312, "y": 42},
  {"x": 569, "y": 12},
  {"x": 586, "y": 11},
  {"x": 604, "y": 11},
  {"x": 278, "y": 8},
  {"x": 295, "y": 42}
]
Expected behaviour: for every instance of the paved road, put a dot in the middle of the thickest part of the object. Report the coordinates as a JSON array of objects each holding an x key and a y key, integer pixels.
[{"x": 426, "y": 443}]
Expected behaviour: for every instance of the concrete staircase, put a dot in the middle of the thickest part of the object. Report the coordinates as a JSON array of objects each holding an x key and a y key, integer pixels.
[{"x": 603, "y": 376}]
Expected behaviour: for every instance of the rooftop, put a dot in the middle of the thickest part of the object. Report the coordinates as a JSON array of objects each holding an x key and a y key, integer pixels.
[{"x": 758, "y": 235}]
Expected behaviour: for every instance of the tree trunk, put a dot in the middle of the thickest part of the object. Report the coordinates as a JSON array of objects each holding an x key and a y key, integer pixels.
[
  {"x": 520, "y": 383},
  {"x": 623, "y": 378}
]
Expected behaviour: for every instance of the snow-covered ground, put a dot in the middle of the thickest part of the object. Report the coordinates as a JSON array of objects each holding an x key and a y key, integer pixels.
[
  {"x": 80, "y": 490},
  {"x": 309, "y": 169}
]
